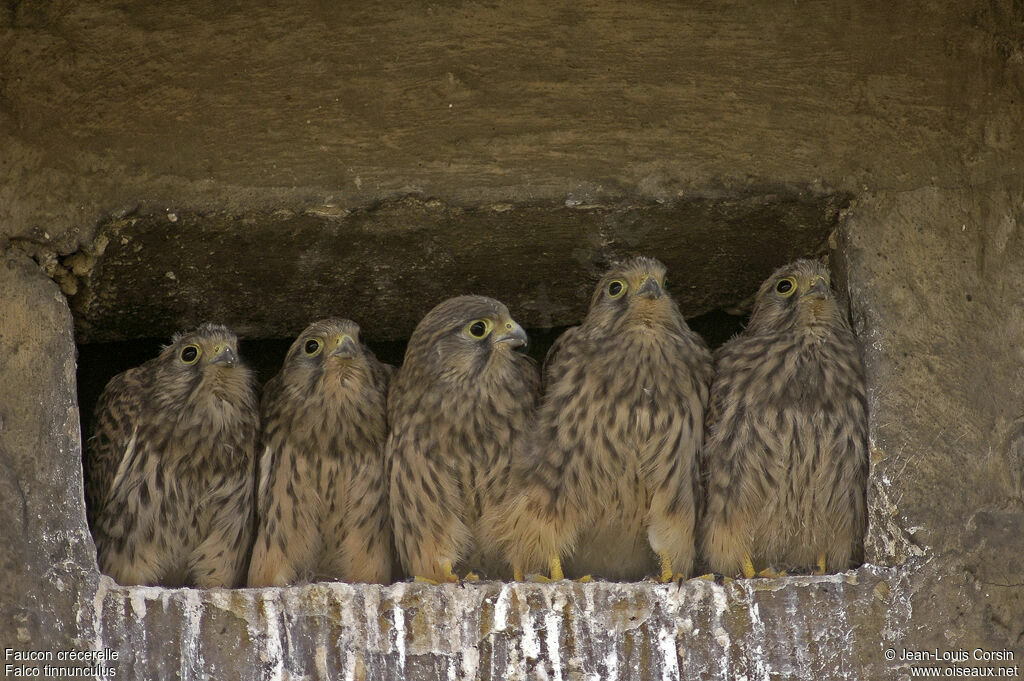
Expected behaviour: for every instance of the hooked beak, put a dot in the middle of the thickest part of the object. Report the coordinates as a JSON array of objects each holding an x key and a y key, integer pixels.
[
  {"x": 650, "y": 289},
  {"x": 818, "y": 287},
  {"x": 345, "y": 347},
  {"x": 223, "y": 354},
  {"x": 512, "y": 334}
]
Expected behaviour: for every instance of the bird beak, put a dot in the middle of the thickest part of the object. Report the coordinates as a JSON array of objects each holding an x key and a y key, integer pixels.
[
  {"x": 512, "y": 334},
  {"x": 223, "y": 354},
  {"x": 650, "y": 289},
  {"x": 345, "y": 347},
  {"x": 817, "y": 287}
]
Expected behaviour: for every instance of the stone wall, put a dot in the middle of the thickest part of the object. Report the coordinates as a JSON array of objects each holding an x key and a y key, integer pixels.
[{"x": 510, "y": 142}]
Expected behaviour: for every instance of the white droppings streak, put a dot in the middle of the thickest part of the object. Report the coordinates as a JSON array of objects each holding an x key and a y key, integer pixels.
[
  {"x": 756, "y": 640},
  {"x": 192, "y": 609},
  {"x": 350, "y": 666},
  {"x": 531, "y": 644},
  {"x": 721, "y": 604},
  {"x": 399, "y": 615},
  {"x": 471, "y": 626},
  {"x": 97, "y": 614},
  {"x": 138, "y": 600},
  {"x": 501, "y": 608},
  {"x": 669, "y": 654},
  {"x": 371, "y": 611},
  {"x": 273, "y": 651},
  {"x": 552, "y": 621}
]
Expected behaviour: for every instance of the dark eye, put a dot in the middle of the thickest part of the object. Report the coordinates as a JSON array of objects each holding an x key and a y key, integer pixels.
[
  {"x": 478, "y": 328},
  {"x": 785, "y": 287},
  {"x": 312, "y": 346},
  {"x": 189, "y": 354},
  {"x": 616, "y": 288}
]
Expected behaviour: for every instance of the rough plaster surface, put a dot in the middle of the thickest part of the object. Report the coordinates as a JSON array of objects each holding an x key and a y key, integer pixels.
[
  {"x": 388, "y": 265},
  {"x": 113, "y": 113}
]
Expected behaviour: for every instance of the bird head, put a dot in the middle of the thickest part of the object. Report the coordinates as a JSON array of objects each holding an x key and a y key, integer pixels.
[
  {"x": 463, "y": 335},
  {"x": 795, "y": 296},
  {"x": 205, "y": 356},
  {"x": 325, "y": 347},
  {"x": 633, "y": 293},
  {"x": 211, "y": 347}
]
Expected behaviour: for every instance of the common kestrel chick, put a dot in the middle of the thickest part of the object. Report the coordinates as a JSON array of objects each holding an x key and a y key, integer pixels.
[
  {"x": 169, "y": 471},
  {"x": 612, "y": 481},
  {"x": 322, "y": 501},
  {"x": 458, "y": 409},
  {"x": 785, "y": 452}
]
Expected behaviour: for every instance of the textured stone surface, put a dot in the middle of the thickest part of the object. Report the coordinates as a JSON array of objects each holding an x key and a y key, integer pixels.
[
  {"x": 387, "y": 265},
  {"x": 567, "y": 128},
  {"x": 492, "y": 630},
  {"x": 48, "y": 556}
]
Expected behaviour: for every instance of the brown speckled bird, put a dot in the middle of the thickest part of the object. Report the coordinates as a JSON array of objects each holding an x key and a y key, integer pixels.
[
  {"x": 169, "y": 471},
  {"x": 322, "y": 500},
  {"x": 612, "y": 481},
  {"x": 785, "y": 453},
  {"x": 457, "y": 408}
]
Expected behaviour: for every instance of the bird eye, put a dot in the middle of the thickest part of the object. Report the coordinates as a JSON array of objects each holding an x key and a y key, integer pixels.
[
  {"x": 190, "y": 354},
  {"x": 616, "y": 288},
  {"x": 785, "y": 287},
  {"x": 479, "y": 328},
  {"x": 312, "y": 347}
]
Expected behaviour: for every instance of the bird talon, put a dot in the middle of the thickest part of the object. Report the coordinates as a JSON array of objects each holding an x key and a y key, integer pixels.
[
  {"x": 555, "y": 569},
  {"x": 666, "y": 575},
  {"x": 471, "y": 577},
  {"x": 819, "y": 570},
  {"x": 771, "y": 573},
  {"x": 716, "y": 577},
  {"x": 426, "y": 580}
]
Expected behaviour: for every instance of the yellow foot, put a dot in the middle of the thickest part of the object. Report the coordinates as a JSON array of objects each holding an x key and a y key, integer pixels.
[
  {"x": 555, "y": 569},
  {"x": 820, "y": 570},
  {"x": 447, "y": 576},
  {"x": 426, "y": 580},
  {"x": 748, "y": 567},
  {"x": 517, "y": 575},
  {"x": 770, "y": 573},
  {"x": 584, "y": 579},
  {"x": 716, "y": 578},
  {"x": 471, "y": 577},
  {"x": 666, "y": 568}
]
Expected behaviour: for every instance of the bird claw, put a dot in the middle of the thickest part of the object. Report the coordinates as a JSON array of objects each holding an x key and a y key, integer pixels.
[
  {"x": 771, "y": 573},
  {"x": 426, "y": 580},
  {"x": 471, "y": 577},
  {"x": 715, "y": 577}
]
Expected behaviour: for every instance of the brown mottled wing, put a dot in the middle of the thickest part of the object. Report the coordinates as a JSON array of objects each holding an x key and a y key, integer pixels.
[
  {"x": 111, "y": 446},
  {"x": 426, "y": 499},
  {"x": 288, "y": 505},
  {"x": 553, "y": 369}
]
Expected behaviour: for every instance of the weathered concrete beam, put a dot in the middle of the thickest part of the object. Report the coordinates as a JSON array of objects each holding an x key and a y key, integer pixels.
[
  {"x": 753, "y": 629},
  {"x": 270, "y": 274}
]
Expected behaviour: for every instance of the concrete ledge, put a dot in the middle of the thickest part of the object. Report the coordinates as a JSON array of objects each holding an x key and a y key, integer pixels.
[{"x": 836, "y": 626}]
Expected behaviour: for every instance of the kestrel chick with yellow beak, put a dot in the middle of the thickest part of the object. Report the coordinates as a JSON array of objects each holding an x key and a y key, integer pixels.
[
  {"x": 322, "y": 500},
  {"x": 611, "y": 484},
  {"x": 169, "y": 471},
  {"x": 458, "y": 409},
  {"x": 785, "y": 451}
]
